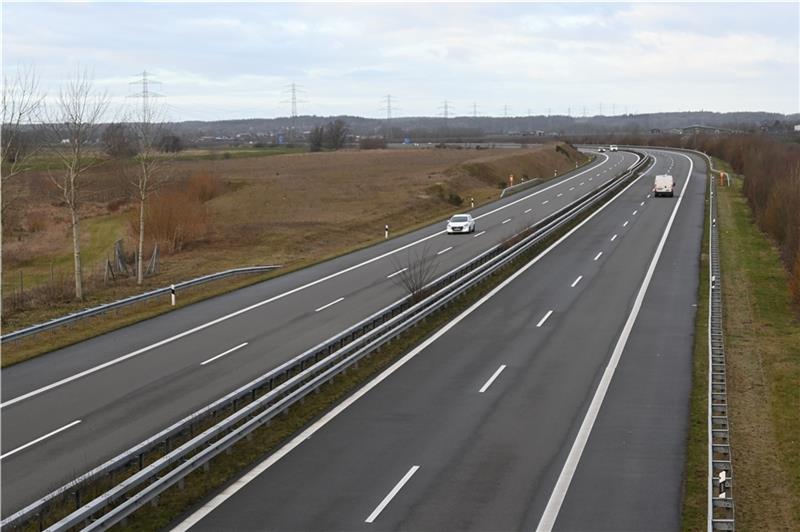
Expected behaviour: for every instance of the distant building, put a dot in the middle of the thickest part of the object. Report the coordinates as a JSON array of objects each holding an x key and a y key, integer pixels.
[
  {"x": 797, "y": 128},
  {"x": 695, "y": 129}
]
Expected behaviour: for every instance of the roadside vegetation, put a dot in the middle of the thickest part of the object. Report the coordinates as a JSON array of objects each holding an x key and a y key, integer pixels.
[{"x": 762, "y": 344}]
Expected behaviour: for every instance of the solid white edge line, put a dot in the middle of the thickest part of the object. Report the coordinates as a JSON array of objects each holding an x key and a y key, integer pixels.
[
  {"x": 398, "y": 272},
  {"x": 292, "y": 444},
  {"x": 479, "y": 234},
  {"x": 576, "y": 281},
  {"x": 541, "y": 321},
  {"x": 282, "y": 295},
  {"x": 40, "y": 438},
  {"x": 492, "y": 378},
  {"x": 550, "y": 514},
  {"x": 229, "y": 351},
  {"x": 598, "y": 255},
  {"x": 323, "y": 307},
  {"x": 445, "y": 250},
  {"x": 386, "y": 500}
]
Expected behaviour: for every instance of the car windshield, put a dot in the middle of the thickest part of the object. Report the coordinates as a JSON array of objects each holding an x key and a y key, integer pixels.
[{"x": 459, "y": 219}]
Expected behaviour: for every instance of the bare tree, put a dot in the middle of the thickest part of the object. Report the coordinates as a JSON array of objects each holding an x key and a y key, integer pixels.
[
  {"x": 21, "y": 103},
  {"x": 148, "y": 130},
  {"x": 415, "y": 271},
  {"x": 71, "y": 124}
]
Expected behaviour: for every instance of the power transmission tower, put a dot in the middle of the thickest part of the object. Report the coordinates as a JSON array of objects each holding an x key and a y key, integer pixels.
[
  {"x": 293, "y": 89},
  {"x": 388, "y": 108},
  {"x": 445, "y": 108},
  {"x": 474, "y": 110},
  {"x": 145, "y": 95}
]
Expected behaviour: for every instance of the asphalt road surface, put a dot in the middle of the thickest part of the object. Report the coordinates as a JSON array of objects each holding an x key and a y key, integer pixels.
[
  {"x": 558, "y": 402},
  {"x": 70, "y": 410}
]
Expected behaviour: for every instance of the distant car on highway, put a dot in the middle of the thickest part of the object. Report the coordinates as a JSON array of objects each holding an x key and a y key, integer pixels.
[
  {"x": 613, "y": 147},
  {"x": 664, "y": 186},
  {"x": 601, "y": 149},
  {"x": 461, "y": 223}
]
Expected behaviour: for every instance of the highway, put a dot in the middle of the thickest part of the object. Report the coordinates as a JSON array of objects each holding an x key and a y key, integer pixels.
[
  {"x": 70, "y": 410},
  {"x": 557, "y": 402}
]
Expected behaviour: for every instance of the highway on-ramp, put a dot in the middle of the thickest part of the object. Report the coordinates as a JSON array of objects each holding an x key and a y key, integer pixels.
[
  {"x": 70, "y": 410},
  {"x": 559, "y": 401}
]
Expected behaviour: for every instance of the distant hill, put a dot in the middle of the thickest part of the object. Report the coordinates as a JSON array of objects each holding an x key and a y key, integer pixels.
[{"x": 268, "y": 129}]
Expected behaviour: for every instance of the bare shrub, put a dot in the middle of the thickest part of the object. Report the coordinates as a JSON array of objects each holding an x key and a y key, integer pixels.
[
  {"x": 417, "y": 270},
  {"x": 174, "y": 219},
  {"x": 205, "y": 186},
  {"x": 37, "y": 221}
]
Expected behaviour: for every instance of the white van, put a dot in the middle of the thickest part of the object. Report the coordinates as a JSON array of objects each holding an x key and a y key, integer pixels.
[
  {"x": 664, "y": 186},
  {"x": 613, "y": 147}
]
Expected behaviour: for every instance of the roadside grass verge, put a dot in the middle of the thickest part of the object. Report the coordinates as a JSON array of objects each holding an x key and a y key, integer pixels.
[
  {"x": 695, "y": 473},
  {"x": 762, "y": 342},
  {"x": 224, "y": 468}
]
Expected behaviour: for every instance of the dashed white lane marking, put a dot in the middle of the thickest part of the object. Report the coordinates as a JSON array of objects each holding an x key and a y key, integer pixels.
[
  {"x": 323, "y": 307},
  {"x": 492, "y": 378},
  {"x": 398, "y": 272},
  {"x": 590, "y": 179},
  {"x": 583, "y": 182},
  {"x": 614, "y": 237},
  {"x": 445, "y": 250},
  {"x": 598, "y": 255},
  {"x": 479, "y": 234},
  {"x": 40, "y": 438},
  {"x": 559, "y": 194},
  {"x": 395, "y": 490},
  {"x": 576, "y": 281},
  {"x": 545, "y": 202},
  {"x": 648, "y": 196},
  {"x": 641, "y": 204},
  {"x": 505, "y": 221},
  {"x": 626, "y": 223},
  {"x": 634, "y": 212},
  {"x": 541, "y": 321},
  {"x": 527, "y": 211},
  {"x": 571, "y": 188},
  {"x": 229, "y": 351}
]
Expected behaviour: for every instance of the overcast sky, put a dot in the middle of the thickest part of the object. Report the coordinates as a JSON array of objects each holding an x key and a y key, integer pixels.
[{"x": 221, "y": 60}]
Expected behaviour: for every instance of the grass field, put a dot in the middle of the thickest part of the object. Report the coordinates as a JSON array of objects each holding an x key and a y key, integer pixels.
[{"x": 762, "y": 335}]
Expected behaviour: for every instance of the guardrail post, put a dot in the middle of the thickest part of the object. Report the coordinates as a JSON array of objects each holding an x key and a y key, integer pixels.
[{"x": 77, "y": 494}]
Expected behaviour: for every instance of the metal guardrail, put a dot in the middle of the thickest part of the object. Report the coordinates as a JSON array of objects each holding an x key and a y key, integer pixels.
[
  {"x": 289, "y": 383},
  {"x": 720, "y": 474},
  {"x": 101, "y": 309}
]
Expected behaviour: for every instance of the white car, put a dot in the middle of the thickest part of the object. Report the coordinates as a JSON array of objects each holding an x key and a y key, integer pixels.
[
  {"x": 601, "y": 149},
  {"x": 461, "y": 223},
  {"x": 613, "y": 147}
]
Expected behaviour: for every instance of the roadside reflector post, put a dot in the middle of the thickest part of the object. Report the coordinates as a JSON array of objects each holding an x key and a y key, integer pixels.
[
  {"x": 511, "y": 180},
  {"x": 172, "y": 293},
  {"x": 471, "y": 203},
  {"x": 555, "y": 172},
  {"x": 386, "y": 231}
]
